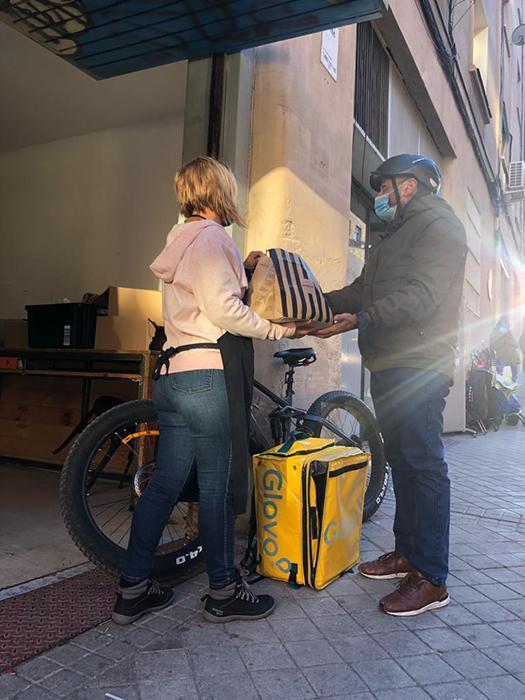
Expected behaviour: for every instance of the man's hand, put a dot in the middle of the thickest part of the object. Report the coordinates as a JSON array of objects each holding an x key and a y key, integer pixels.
[
  {"x": 253, "y": 258},
  {"x": 341, "y": 324}
]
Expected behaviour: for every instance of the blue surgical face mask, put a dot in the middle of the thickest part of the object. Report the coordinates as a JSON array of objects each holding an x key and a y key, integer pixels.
[{"x": 383, "y": 209}]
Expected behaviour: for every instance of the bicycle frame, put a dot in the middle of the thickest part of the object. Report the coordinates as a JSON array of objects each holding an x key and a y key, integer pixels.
[
  {"x": 281, "y": 416},
  {"x": 280, "y": 423},
  {"x": 278, "y": 400}
]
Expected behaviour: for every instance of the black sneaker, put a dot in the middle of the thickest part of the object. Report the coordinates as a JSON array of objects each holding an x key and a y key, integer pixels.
[
  {"x": 139, "y": 599},
  {"x": 241, "y": 604}
]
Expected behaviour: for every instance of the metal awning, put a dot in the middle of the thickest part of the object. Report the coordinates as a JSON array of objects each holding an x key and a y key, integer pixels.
[{"x": 108, "y": 38}]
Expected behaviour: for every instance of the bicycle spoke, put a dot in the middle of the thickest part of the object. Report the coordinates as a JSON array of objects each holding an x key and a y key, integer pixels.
[
  {"x": 342, "y": 421},
  {"x": 110, "y": 503},
  {"x": 113, "y": 532},
  {"x": 346, "y": 424},
  {"x": 103, "y": 462},
  {"x": 124, "y": 535},
  {"x": 109, "y": 507},
  {"x": 116, "y": 477},
  {"x": 113, "y": 516},
  {"x": 169, "y": 531}
]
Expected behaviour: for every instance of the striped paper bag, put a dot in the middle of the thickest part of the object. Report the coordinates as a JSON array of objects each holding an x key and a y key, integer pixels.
[{"x": 283, "y": 288}]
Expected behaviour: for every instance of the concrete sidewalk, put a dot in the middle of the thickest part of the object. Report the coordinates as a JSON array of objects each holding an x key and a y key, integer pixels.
[{"x": 335, "y": 643}]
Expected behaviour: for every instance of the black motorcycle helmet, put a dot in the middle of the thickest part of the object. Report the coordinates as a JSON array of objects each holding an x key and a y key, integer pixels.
[{"x": 423, "y": 169}]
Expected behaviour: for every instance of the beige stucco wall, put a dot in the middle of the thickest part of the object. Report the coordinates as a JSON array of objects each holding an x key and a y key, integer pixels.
[
  {"x": 300, "y": 177},
  {"x": 83, "y": 213}
]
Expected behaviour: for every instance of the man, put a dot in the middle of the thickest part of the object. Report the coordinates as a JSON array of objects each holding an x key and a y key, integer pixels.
[{"x": 405, "y": 304}]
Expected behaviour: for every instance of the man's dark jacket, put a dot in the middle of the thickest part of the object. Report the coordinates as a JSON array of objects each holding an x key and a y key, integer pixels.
[{"x": 411, "y": 289}]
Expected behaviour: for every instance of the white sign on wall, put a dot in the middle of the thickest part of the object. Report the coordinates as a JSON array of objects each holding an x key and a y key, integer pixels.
[{"x": 329, "y": 51}]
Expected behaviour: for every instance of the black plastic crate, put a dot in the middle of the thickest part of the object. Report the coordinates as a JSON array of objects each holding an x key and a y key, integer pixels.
[{"x": 61, "y": 325}]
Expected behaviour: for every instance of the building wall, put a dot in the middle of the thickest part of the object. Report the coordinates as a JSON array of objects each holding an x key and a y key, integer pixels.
[
  {"x": 301, "y": 157},
  {"x": 300, "y": 176},
  {"x": 502, "y": 86},
  {"x": 509, "y": 278},
  {"x": 83, "y": 213}
]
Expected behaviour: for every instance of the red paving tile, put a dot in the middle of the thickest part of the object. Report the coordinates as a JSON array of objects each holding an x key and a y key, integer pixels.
[{"x": 34, "y": 622}]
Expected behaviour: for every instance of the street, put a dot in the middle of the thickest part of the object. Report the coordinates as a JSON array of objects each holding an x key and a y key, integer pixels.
[{"x": 335, "y": 643}]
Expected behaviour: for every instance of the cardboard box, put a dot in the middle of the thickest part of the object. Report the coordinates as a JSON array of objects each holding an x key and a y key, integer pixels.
[
  {"x": 13, "y": 333},
  {"x": 123, "y": 333},
  {"x": 126, "y": 326},
  {"x": 132, "y": 303}
]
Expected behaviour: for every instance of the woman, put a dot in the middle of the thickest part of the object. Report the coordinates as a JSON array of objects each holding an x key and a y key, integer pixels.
[
  {"x": 204, "y": 384},
  {"x": 506, "y": 349}
]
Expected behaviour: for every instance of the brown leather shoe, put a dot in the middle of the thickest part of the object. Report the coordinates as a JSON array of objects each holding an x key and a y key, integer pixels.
[
  {"x": 414, "y": 595},
  {"x": 391, "y": 565}
]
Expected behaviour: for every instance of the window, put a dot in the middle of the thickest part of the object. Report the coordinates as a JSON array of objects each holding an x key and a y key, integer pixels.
[
  {"x": 479, "y": 71},
  {"x": 505, "y": 130},
  {"x": 520, "y": 127},
  {"x": 506, "y": 38},
  {"x": 480, "y": 42},
  {"x": 407, "y": 130},
  {"x": 371, "y": 87},
  {"x": 473, "y": 227}
]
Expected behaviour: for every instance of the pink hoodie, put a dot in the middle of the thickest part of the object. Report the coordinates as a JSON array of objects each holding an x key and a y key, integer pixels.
[{"x": 204, "y": 283}]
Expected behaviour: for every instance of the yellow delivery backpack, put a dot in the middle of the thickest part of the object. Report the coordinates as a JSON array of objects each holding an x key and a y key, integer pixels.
[{"x": 309, "y": 496}]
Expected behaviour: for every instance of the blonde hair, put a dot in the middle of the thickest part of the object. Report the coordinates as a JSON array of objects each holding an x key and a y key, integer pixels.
[{"x": 206, "y": 183}]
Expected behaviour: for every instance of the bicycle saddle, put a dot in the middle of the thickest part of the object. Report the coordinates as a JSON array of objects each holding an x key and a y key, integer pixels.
[{"x": 296, "y": 357}]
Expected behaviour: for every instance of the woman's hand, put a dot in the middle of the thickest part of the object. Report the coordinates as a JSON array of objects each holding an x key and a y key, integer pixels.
[
  {"x": 253, "y": 258},
  {"x": 302, "y": 329},
  {"x": 297, "y": 329}
]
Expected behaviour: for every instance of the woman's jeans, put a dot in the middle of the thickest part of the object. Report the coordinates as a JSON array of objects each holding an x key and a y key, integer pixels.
[
  {"x": 409, "y": 405},
  {"x": 194, "y": 428}
]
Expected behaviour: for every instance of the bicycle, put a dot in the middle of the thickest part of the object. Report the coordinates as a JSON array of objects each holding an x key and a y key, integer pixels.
[{"x": 111, "y": 461}]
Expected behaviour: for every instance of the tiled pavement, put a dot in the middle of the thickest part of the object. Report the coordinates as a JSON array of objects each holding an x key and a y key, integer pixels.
[{"x": 335, "y": 643}]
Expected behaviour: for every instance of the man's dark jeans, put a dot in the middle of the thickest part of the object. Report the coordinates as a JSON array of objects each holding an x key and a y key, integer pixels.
[
  {"x": 409, "y": 405},
  {"x": 194, "y": 426}
]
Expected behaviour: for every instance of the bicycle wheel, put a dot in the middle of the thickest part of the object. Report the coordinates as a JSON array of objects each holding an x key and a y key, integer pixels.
[
  {"x": 103, "y": 476},
  {"x": 353, "y": 417}
]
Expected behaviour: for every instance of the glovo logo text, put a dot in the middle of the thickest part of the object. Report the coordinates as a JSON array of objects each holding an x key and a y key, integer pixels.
[
  {"x": 336, "y": 531},
  {"x": 272, "y": 486}
]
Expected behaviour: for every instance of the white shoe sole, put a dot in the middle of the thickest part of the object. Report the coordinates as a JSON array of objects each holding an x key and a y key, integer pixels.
[
  {"x": 385, "y": 576},
  {"x": 431, "y": 606}
]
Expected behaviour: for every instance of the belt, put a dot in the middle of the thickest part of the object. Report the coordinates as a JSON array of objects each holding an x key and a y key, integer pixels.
[{"x": 166, "y": 355}]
